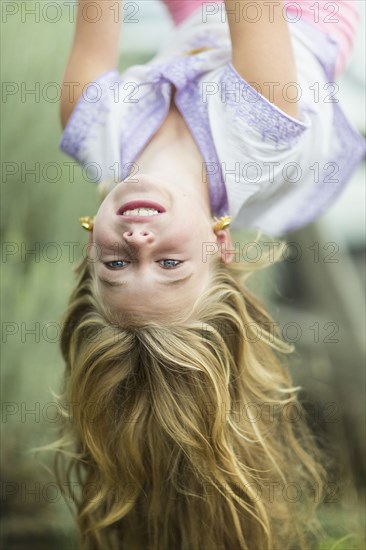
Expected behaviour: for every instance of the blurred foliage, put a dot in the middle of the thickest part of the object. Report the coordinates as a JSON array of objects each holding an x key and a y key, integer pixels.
[
  {"x": 40, "y": 215},
  {"x": 349, "y": 542}
]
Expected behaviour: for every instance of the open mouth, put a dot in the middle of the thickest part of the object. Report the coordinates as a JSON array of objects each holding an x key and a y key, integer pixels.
[{"x": 141, "y": 209}]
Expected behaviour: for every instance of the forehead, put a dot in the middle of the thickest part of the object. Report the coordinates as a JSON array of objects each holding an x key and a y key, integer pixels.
[{"x": 154, "y": 300}]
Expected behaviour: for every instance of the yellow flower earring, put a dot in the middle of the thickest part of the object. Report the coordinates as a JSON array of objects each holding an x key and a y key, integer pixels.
[
  {"x": 222, "y": 223},
  {"x": 87, "y": 223}
]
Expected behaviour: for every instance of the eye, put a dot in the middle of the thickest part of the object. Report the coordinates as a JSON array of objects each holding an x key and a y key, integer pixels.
[
  {"x": 118, "y": 264},
  {"x": 170, "y": 264}
]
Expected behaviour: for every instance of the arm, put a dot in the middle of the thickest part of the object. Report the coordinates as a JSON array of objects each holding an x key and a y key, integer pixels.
[
  {"x": 262, "y": 50},
  {"x": 94, "y": 50}
]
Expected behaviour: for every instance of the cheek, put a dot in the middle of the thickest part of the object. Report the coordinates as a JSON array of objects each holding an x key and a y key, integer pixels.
[
  {"x": 103, "y": 239},
  {"x": 196, "y": 243},
  {"x": 188, "y": 245},
  {"x": 92, "y": 252}
]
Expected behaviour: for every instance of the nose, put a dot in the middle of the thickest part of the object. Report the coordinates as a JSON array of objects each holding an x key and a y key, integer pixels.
[{"x": 138, "y": 237}]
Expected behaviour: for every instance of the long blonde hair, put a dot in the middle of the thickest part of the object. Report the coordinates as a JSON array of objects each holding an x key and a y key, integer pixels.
[{"x": 186, "y": 435}]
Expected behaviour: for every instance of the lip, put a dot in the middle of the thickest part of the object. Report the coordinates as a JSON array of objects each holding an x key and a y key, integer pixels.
[{"x": 140, "y": 204}]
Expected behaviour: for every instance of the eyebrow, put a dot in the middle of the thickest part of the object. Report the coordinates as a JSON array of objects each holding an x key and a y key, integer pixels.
[{"x": 115, "y": 284}]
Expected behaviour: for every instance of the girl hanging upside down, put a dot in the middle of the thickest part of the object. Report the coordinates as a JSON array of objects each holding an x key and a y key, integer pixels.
[{"x": 236, "y": 119}]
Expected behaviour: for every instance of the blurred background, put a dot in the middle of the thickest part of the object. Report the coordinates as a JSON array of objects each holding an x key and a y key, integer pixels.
[{"x": 318, "y": 299}]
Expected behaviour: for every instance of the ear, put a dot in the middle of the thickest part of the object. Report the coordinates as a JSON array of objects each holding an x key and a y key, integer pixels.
[
  {"x": 223, "y": 239},
  {"x": 90, "y": 246}
]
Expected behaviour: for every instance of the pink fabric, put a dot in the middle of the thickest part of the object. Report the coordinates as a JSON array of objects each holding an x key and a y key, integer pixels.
[
  {"x": 181, "y": 9},
  {"x": 337, "y": 18}
]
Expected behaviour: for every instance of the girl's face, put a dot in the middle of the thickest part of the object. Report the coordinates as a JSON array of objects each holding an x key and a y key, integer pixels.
[{"x": 156, "y": 261}]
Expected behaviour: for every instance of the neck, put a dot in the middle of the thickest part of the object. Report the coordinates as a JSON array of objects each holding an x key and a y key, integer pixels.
[{"x": 172, "y": 155}]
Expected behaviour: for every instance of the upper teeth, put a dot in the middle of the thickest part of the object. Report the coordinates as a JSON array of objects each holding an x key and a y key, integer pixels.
[{"x": 140, "y": 212}]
